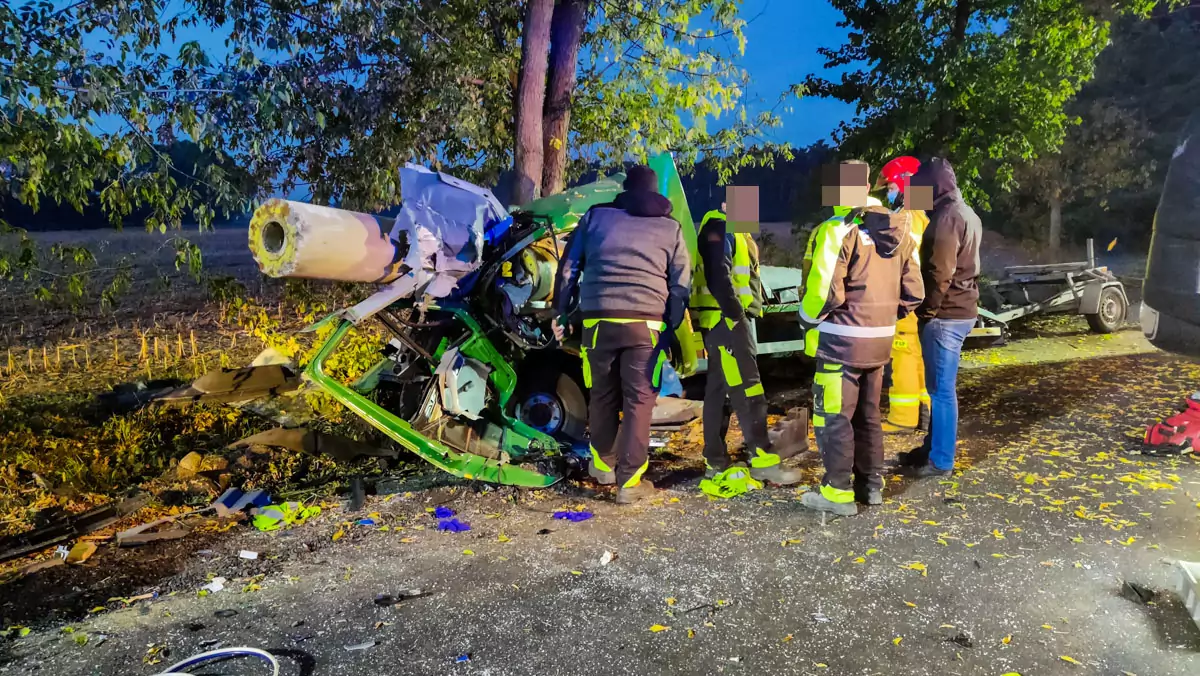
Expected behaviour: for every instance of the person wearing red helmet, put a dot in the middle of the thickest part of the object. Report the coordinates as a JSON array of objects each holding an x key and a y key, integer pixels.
[{"x": 908, "y": 401}]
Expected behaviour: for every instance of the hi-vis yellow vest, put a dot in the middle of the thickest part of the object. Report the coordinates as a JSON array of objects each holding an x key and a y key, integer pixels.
[{"x": 745, "y": 267}]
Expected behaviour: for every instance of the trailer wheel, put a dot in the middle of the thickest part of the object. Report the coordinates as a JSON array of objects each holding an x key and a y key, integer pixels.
[
  {"x": 554, "y": 403},
  {"x": 1113, "y": 309}
]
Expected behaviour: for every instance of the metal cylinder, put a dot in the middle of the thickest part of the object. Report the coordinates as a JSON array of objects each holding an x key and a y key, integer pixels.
[{"x": 294, "y": 239}]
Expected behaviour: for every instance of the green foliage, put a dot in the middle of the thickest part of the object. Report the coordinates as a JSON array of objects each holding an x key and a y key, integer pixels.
[
  {"x": 1110, "y": 170},
  {"x": 982, "y": 82}
]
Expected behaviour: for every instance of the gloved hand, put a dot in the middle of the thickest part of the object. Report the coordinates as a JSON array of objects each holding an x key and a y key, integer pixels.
[{"x": 561, "y": 328}]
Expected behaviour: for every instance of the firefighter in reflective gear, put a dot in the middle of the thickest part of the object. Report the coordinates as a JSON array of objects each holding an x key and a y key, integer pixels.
[
  {"x": 863, "y": 275},
  {"x": 908, "y": 400},
  {"x": 726, "y": 295}
]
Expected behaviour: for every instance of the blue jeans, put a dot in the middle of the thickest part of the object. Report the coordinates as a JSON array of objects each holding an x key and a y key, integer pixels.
[{"x": 941, "y": 345}]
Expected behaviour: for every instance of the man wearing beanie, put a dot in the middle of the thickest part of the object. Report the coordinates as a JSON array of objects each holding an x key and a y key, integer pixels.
[{"x": 627, "y": 272}]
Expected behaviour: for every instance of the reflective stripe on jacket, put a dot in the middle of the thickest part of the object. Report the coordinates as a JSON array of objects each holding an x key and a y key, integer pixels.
[{"x": 862, "y": 277}]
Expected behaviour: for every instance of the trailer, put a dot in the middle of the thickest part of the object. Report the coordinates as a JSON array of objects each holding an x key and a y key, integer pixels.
[{"x": 1064, "y": 288}]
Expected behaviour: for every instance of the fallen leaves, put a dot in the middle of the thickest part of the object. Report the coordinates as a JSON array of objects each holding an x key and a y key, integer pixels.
[
  {"x": 1006, "y": 640},
  {"x": 656, "y": 628},
  {"x": 1070, "y": 660},
  {"x": 467, "y": 552},
  {"x": 897, "y": 640},
  {"x": 918, "y": 566}
]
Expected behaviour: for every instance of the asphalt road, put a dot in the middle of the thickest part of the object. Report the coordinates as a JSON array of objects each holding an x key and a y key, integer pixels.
[{"x": 1015, "y": 565}]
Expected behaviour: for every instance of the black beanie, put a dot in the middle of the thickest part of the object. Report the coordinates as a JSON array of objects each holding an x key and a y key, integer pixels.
[{"x": 641, "y": 178}]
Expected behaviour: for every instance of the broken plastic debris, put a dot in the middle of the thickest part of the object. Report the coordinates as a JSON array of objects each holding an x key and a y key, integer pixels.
[
  {"x": 462, "y": 658},
  {"x": 247, "y": 554},
  {"x": 573, "y": 516},
  {"x": 453, "y": 526},
  {"x": 365, "y": 522},
  {"x": 217, "y": 584},
  {"x": 442, "y": 512},
  {"x": 820, "y": 617},
  {"x": 606, "y": 558},
  {"x": 361, "y": 646}
]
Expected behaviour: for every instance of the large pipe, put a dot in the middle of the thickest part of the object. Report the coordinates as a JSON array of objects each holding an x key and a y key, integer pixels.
[{"x": 294, "y": 239}]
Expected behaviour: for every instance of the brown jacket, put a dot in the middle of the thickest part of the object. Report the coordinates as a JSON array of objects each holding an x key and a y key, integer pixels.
[
  {"x": 949, "y": 248},
  {"x": 863, "y": 278}
]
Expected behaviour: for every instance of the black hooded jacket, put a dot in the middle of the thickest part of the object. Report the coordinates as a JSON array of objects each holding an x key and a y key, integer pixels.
[
  {"x": 949, "y": 247},
  {"x": 626, "y": 259}
]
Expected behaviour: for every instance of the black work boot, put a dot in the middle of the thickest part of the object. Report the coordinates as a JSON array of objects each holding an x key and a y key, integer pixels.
[
  {"x": 929, "y": 470},
  {"x": 915, "y": 458}
]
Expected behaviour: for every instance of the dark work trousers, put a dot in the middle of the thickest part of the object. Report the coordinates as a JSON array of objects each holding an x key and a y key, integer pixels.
[
  {"x": 622, "y": 367},
  {"x": 733, "y": 378},
  {"x": 849, "y": 434}
]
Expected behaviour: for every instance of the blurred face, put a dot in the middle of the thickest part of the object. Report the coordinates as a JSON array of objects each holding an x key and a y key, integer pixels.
[
  {"x": 722, "y": 206},
  {"x": 893, "y": 192}
]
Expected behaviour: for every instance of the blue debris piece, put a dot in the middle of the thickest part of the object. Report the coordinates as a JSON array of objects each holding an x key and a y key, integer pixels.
[
  {"x": 366, "y": 522},
  {"x": 573, "y": 516},
  {"x": 443, "y": 512},
  {"x": 453, "y": 526},
  {"x": 462, "y": 658}
]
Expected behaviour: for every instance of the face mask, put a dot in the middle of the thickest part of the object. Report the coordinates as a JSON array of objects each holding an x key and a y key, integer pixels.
[{"x": 892, "y": 194}]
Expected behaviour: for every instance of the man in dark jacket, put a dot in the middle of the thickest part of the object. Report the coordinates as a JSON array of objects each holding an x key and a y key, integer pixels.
[
  {"x": 950, "y": 268},
  {"x": 863, "y": 278},
  {"x": 627, "y": 265}
]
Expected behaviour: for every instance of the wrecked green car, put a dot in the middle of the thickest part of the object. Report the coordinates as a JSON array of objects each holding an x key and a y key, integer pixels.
[{"x": 472, "y": 379}]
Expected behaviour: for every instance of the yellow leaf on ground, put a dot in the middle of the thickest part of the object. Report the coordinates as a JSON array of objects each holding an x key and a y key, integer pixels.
[
  {"x": 788, "y": 638},
  {"x": 1068, "y": 658},
  {"x": 670, "y": 600},
  {"x": 917, "y": 565},
  {"x": 1006, "y": 640},
  {"x": 897, "y": 640},
  {"x": 338, "y": 535},
  {"x": 872, "y": 551},
  {"x": 1048, "y": 627},
  {"x": 910, "y": 604},
  {"x": 997, "y": 534},
  {"x": 820, "y": 665},
  {"x": 502, "y": 538},
  {"x": 406, "y": 540},
  {"x": 658, "y": 627},
  {"x": 1112, "y": 244},
  {"x": 577, "y": 572},
  {"x": 860, "y": 560},
  {"x": 691, "y": 633},
  {"x": 467, "y": 552},
  {"x": 947, "y": 626},
  {"x": 739, "y": 532}
]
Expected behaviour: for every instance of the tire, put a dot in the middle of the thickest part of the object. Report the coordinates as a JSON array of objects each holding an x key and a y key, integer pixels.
[
  {"x": 1113, "y": 309},
  {"x": 553, "y": 402}
]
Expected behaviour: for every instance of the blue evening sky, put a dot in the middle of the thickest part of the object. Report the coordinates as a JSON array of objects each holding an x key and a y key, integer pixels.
[{"x": 781, "y": 49}]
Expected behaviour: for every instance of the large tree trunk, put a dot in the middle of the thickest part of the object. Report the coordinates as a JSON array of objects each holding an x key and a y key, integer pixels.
[
  {"x": 531, "y": 94},
  {"x": 1054, "y": 239},
  {"x": 566, "y": 32}
]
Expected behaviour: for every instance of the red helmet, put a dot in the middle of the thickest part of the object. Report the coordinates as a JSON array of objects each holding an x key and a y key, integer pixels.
[{"x": 899, "y": 170}]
